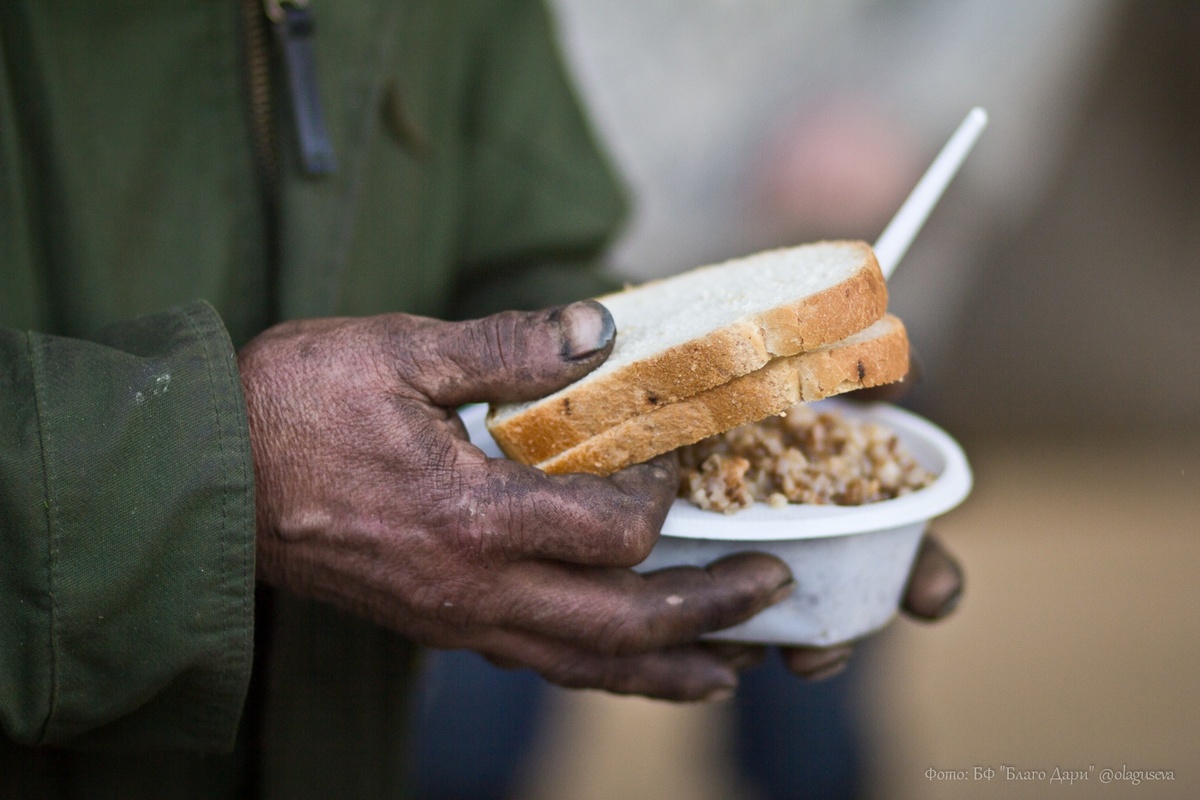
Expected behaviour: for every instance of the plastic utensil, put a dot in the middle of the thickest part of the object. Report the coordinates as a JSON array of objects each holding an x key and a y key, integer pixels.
[{"x": 899, "y": 234}]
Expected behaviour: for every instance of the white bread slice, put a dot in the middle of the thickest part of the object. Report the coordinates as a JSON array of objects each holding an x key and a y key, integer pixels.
[
  {"x": 702, "y": 328},
  {"x": 870, "y": 357}
]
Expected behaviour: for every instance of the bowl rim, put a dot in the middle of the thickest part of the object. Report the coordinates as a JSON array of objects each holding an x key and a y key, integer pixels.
[{"x": 761, "y": 522}]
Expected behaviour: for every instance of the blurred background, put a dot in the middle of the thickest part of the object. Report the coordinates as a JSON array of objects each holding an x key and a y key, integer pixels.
[{"x": 1054, "y": 300}]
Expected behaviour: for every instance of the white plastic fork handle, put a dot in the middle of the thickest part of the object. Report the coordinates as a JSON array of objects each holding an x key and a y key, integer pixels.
[{"x": 899, "y": 234}]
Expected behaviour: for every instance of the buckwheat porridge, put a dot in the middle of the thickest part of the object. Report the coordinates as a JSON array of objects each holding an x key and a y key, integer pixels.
[{"x": 801, "y": 456}]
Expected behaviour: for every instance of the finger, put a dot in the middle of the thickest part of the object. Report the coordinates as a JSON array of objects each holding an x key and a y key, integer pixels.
[
  {"x": 458, "y": 427},
  {"x": 577, "y": 518},
  {"x": 620, "y": 612},
  {"x": 895, "y": 391},
  {"x": 684, "y": 673},
  {"x": 817, "y": 663},
  {"x": 936, "y": 583},
  {"x": 507, "y": 357},
  {"x": 739, "y": 656}
]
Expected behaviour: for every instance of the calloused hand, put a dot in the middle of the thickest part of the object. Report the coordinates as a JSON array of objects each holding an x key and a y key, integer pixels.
[{"x": 370, "y": 497}]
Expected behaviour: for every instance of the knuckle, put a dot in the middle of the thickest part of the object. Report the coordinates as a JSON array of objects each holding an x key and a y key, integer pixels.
[
  {"x": 447, "y": 602},
  {"x": 470, "y": 539},
  {"x": 497, "y": 343},
  {"x": 399, "y": 339},
  {"x": 500, "y": 517},
  {"x": 634, "y": 546},
  {"x": 654, "y": 480},
  {"x": 625, "y": 527},
  {"x": 477, "y": 534},
  {"x": 625, "y": 633}
]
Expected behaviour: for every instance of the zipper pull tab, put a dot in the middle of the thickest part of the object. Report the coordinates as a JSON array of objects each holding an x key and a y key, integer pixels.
[{"x": 292, "y": 26}]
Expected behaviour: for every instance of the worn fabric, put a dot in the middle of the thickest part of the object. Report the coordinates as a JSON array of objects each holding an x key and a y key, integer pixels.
[{"x": 137, "y": 252}]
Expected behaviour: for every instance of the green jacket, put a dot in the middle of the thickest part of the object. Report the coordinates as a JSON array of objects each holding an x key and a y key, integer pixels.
[{"x": 142, "y": 239}]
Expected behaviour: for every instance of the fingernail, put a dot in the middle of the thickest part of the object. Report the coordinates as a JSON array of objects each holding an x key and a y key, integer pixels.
[
  {"x": 587, "y": 328},
  {"x": 829, "y": 670},
  {"x": 783, "y": 591},
  {"x": 751, "y": 657},
  {"x": 718, "y": 695}
]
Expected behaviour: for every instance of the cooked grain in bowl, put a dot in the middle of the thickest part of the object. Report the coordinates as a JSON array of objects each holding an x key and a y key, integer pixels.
[{"x": 801, "y": 456}]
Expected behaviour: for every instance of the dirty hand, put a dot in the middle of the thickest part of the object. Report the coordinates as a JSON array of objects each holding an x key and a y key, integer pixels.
[{"x": 370, "y": 497}]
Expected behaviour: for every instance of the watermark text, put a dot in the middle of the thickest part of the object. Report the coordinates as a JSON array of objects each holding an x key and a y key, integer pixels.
[{"x": 1053, "y": 775}]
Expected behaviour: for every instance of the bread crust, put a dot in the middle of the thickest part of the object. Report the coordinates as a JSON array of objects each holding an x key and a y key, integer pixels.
[
  {"x": 584, "y": 410},
  {"x": 774, "y": 388}
]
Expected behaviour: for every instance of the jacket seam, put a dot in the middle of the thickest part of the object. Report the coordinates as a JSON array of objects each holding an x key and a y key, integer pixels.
[
  {"x": 52, "y": 549},
  {"x": 227, "y": 656}
]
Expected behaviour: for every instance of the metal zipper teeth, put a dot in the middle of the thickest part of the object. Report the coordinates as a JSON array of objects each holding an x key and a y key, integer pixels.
[
  {"x": 257, "y": 64},
  {"x": 258, "y": 77}
]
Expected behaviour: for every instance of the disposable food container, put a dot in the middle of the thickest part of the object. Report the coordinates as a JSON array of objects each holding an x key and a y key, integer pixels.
[{"x": 851, "y": 563}]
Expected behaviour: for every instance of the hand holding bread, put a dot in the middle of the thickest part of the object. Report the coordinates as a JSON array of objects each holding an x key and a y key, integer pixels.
[
  {"x": 712, "y": 350},
  {"x": 371, "y": 498}
]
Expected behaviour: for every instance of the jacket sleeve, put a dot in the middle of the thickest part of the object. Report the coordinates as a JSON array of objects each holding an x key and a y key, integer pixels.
[
  {"x": 126, "y": 536},
  {"x": 543, "y": 199}
]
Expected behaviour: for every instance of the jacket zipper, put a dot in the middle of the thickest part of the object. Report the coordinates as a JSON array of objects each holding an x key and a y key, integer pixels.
[
  {"x": 257, "y": 64},
  {"x": 292, "y": 27},
  {"x": 258, "y": 82},
  {"x": 292, "y": 30}
]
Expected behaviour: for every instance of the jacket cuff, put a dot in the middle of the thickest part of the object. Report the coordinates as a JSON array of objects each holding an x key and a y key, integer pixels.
[{"x": 149, "y": 498}]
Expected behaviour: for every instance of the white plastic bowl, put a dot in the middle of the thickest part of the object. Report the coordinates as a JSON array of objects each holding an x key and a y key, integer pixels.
[{"x": 851, "y": 563}]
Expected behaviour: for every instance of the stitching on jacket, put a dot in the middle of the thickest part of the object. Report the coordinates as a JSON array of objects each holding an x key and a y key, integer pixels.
[
  {"x": 226, "y": 672},
  {"x": 246, "y": 501},
  {"x": 52, "y": 540}
]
